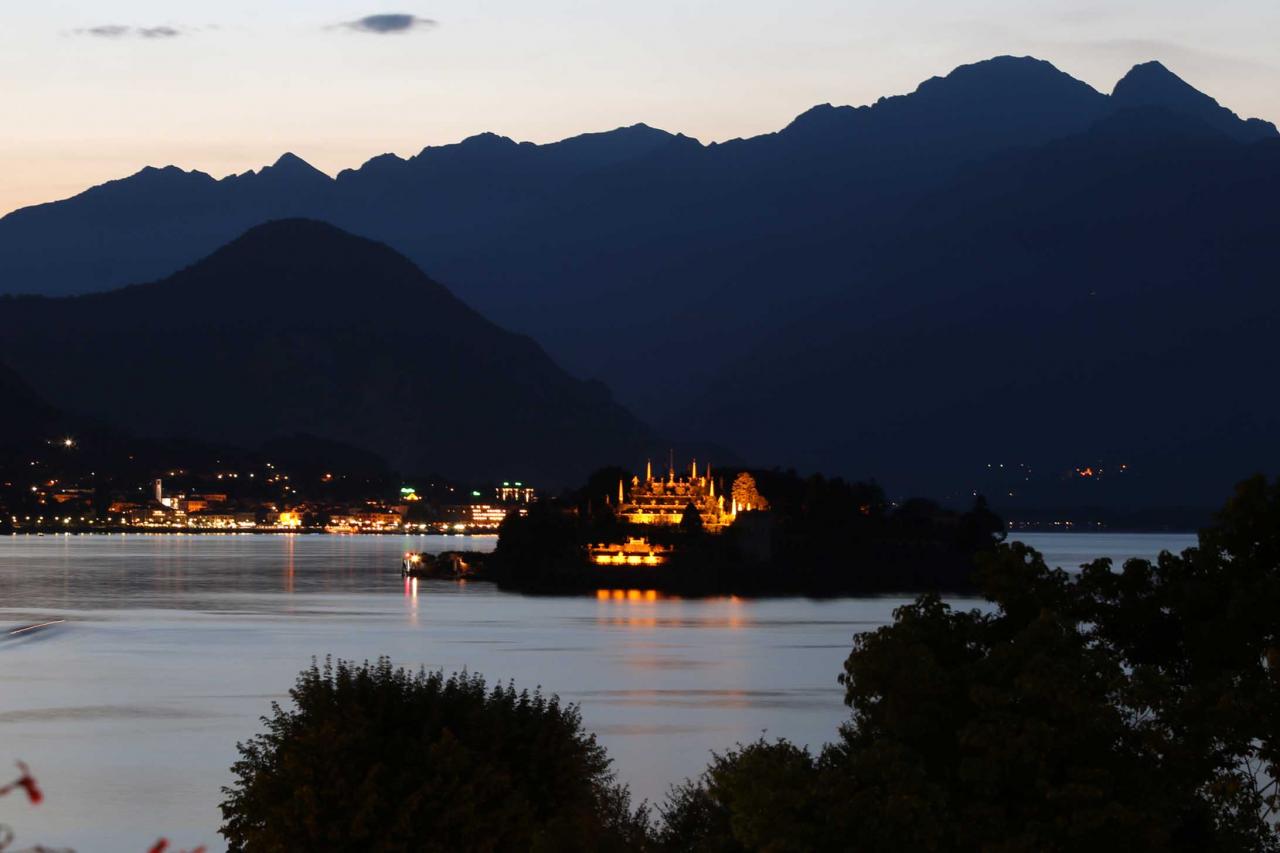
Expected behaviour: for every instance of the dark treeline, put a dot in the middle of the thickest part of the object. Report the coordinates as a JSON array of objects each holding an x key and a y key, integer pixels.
[
  {"x": 820, "y": 536},
  {"x": 1131, "y": 708}
]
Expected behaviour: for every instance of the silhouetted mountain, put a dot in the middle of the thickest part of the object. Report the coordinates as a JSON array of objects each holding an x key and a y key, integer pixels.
[
  {"x": 1105, "y": 300},
  {"x": 771, "y": 292},
  {"x": 26, "y": 416},
  {"x": 299, "y": 327},
  {"x": 1152, "y": 85}
]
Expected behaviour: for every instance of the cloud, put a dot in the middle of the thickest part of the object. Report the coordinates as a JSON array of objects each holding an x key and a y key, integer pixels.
[
  {"x": 106, "y": 31},
  {"x": 387, "y": 24},
  {"x": 158, "y": 32},
  {"x": 118, "y": 31}
]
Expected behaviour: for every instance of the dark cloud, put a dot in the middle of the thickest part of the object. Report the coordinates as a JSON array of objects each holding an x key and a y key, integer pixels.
[
  {"x": 106, "y": 31},
  {"x": 158, "y": 32},
  {"x": 388, "y": 24},
  {"x": 117, "y": 31}
]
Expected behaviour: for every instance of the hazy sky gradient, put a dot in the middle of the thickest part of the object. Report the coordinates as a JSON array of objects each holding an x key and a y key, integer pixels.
[{"x": 244, "y": 80}]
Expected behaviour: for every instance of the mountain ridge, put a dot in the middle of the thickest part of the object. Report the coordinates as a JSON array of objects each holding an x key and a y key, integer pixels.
[
  {"x": 1134, "y": 88},
  {"x": 1151, "y": 84},
  {"x": 265, "y": 338},
  {"x": 1005, "y": 189}
]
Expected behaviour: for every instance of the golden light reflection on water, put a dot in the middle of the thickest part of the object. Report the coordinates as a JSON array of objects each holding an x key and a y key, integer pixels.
[
  {"x": 411, "y": 593},
  {"x": 288, "y": 563},
  {"x": 640, "y": 608},
  {"x": 632, "y": 595}
]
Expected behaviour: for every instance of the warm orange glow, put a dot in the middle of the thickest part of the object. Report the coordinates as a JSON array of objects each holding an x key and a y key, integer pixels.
[
  {"x": 662, "y": 500},
  {"x": 633, "y": 596},
  {"x": 636, "y": 551}
]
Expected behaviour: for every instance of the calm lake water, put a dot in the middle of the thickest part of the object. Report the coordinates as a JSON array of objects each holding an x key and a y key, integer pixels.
[{"x": 173, "y": 646}]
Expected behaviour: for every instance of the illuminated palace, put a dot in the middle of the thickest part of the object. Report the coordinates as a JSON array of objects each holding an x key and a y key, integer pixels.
[{"x": 663, "y": 500}]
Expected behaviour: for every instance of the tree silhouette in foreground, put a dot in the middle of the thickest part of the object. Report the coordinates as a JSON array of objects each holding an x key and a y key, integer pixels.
[
  {"x": 1134, "y": 710},
  {"x": 377, "y": 758},
  {"x": 1129, "y": 710}
]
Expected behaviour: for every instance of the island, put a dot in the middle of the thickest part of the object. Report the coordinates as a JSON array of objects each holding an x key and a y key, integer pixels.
[{"x": 742, "y": 532}]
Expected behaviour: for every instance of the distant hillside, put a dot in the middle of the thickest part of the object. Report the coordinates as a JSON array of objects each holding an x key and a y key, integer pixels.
[
  {"x": 899, "y": 290},
  {"x": 26, "y": 416},
  {"x": 298, "y": 327},
  {"x": 1105, "y": 300}
]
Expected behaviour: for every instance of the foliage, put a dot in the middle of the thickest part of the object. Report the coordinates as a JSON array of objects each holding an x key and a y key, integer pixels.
[
  {"x": 818, "y": 537},
  {"x": 768, "y": 796},
  {"x": 599, "y": 495},
  {"x": 376, "y": 758},
  {"x": 541, "y": 550},
  {"x": 1129, "y": 710},
  {"x": 745, "y": 495}
]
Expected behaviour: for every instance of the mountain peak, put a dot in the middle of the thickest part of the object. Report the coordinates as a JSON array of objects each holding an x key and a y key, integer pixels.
[
  {"x": 306, "y": 266},
  {"x": 300, "y": 242},
  {"x": 306, "y": 328},
  {"x": 1151, "y": 84},
  {"x": 588, "y": 151},
  {"x": 291, "y": 165},
  {"x": 488, "y": 139},
  {"x": 1017, "y": 76}
]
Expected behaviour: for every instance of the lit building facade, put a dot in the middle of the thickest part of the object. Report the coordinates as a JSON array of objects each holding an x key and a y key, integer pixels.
[
  {"x": 515, "y": 493},
  {"x": 636, "y": 551},
  {"x": 658, "y": 500}
]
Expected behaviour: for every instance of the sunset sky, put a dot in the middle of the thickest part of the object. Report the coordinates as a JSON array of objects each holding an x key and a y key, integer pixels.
[{"x": 96, "y": 90}]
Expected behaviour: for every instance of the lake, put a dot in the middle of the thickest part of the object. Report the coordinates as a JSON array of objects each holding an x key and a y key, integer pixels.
[{"x": 173, "y": 646}]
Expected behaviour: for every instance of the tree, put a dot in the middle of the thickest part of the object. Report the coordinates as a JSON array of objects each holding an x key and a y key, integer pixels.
[
  {"x": 541, "y": 549},
  {"x": 599, "y": 496},
  {"x": 691, "y": 519},
  {"x": 377, "y": 758},
  {"x": 1199, "y": 632},
  {"x": 1118, "y": 710},
  {"x": 762, "y": 796},
  {"x": 744, "y": 493}
]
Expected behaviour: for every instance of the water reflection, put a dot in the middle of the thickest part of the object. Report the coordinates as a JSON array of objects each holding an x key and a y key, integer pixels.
[
  {"x": 632, "y": 595},
  {"x": 716, "y": 699},
  {"x": 288, "y": 562},
  {"x": 175, "y": 646},
  {"x": 411, "y": 593},
  {"x": 638, "y": 610}
]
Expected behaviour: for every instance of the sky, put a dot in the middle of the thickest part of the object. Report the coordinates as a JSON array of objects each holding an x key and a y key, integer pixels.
[{"x": 91, "y": 91}]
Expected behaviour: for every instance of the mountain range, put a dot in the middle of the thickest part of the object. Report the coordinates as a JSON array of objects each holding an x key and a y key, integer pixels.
[
  {"x": 297, "y": 327},
  {"x": 1003, "y": 267}
]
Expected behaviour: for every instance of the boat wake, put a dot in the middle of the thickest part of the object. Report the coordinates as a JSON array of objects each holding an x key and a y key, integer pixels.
[{"x": 28, "y": 632}]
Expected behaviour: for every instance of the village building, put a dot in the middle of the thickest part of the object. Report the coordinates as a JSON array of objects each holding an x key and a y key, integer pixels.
[
  {"x": 663, "y": 500},
  {"x": 636, "y": 551}
]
